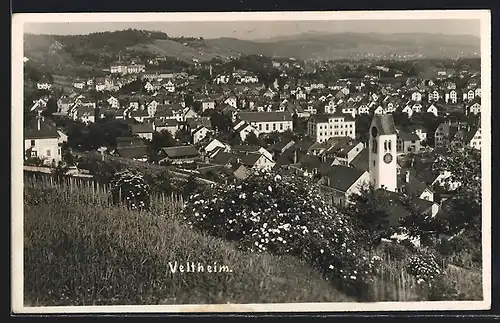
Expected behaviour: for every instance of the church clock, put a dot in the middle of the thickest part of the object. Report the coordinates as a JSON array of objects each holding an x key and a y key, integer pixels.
[{"x": 387, "y": 158}]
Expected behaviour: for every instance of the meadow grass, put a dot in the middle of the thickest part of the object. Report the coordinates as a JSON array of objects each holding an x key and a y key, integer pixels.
[{"x": 81, "y": 250}]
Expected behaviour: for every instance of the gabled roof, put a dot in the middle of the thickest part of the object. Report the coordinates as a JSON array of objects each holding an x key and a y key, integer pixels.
[
  {"x": 142, "y": 128},
  {"x": 180, "y": 152},
  {"x": 47, "y": 130},
  {"x": 265, "y": 116},
  {"x": 341, "y": 178},
  {"x": 361, "y": 161},
  {"x": 132, "y": 152}
]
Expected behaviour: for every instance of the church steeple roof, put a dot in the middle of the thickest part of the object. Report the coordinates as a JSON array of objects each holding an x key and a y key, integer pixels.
[{"x": 385, "y": 124}]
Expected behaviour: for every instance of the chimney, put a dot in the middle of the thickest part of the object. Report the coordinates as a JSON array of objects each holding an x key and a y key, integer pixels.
[
  {"x": 407, "y": 176},
  {"x": 39, "y": 117}
]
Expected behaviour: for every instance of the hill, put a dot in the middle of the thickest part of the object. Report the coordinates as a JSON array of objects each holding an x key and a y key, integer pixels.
[
  {"x": 94, "y": 50},
  {"x": 93, "y": 253}
]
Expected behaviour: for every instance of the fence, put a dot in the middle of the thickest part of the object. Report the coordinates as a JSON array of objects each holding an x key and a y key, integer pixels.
[{"x": 88, "y": 190}]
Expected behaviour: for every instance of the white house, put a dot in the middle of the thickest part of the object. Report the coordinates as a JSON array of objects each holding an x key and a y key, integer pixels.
[
  {"x": 432, "y": 109},
  {"x": 244, "y": 129},
  {"x": 43, "y": 86},
  {"x": 322, "y": 127},
  {"x": 267, "y": 122},
  {"x": 41, "y": 140},
  {"x": 200, "y": 133},
  {"x": 416, "y": 96}
]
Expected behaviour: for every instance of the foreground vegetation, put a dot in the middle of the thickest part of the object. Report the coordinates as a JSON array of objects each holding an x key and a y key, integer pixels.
[
  {"x": 94, "y": 251},
  {"x": 90, "y": 252}
]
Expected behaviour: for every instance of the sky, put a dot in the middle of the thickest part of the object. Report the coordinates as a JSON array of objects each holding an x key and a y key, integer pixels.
[{"x": 265, "y": 29}]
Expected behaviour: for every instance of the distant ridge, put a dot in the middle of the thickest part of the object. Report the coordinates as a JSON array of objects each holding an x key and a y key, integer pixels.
[{"x": 306, "y": 46}]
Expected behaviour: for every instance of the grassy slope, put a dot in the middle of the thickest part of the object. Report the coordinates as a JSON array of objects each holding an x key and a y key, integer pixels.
[{"x": 83, "y": 254}]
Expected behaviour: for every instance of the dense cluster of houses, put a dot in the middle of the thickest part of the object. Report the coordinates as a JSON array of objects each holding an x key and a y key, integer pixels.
[{"x": 331, "y": 152}]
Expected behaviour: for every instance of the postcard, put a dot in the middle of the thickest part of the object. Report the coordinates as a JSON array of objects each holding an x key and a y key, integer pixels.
[{"x": 251, "y": 162}]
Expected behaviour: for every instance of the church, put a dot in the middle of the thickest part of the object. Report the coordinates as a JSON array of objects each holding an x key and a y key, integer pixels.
[{"x": 391, "y": 176}]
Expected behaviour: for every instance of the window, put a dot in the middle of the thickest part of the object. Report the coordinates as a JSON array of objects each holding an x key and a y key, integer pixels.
[
  {"x": 389, "y": 144},
  {"x": 374, "y": 148},
  {"x": 260, "y": 126},
  {"x": 48, "y": 153},
  {"x": 373, "y": 162},
  {"x": 32, "y": 142},
  {"x": 33, "y": 153},
  {"x": 267, "y": 126},
  {"x": 274, "y": 126},
  {"x": 281, "y": 126},
  {"x": 336, "y": 132},
  {"x": 385, "y": 145}
]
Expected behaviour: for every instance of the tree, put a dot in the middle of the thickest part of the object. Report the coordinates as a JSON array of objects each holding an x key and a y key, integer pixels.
[
  {"x": 183, "y": 136},
  {"x": 252, "y": 140},
  {"x": 51, "y": 107},
  {"x": 369, "y": 211},
  {"x": 465, "y": 206},
  {"x": 221, "y": 122}
]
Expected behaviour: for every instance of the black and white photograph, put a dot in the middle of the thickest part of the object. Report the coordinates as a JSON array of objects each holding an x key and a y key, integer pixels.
[{"x": 251, "y": 161}]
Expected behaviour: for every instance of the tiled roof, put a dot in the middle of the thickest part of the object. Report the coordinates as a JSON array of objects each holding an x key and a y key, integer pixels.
[
  {"x": 47, "y": 130},
  {"x": 265, "y": 116},
  {"x": 181, "y": 151},
  {"x": 342, "y": 177}
]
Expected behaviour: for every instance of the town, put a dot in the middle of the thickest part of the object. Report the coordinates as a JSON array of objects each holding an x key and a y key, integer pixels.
[
  {"x": 360, "y": 130},
  {"x": 235, "y": 124}
]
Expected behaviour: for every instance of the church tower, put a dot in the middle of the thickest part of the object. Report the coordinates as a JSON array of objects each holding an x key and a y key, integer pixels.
[{"x": 382, "y": 147}]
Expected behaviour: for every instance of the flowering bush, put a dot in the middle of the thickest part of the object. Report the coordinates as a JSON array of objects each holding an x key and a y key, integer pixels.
[
  {"x": 284, "y": 215},
  {"x": 131, "y": 189},
  {"x": 424, "y": 267}
]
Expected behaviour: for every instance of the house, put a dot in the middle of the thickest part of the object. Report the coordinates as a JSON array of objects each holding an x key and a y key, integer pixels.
[
  {"x": 322, "y": 127},
  {"x": 407, "y": 142},
  {"x": 138, "y": 152},
  {"x": 433, "y": 96},
  {"x": 267, "y": 122},
  {"x": 178, "y": 155},
  {"x": 113, "y": 102},
  {"x": 252, "y": 149},
  {"x": 79, "y": 84},
  {"x": 451, "y": 96},
  {"x": 445, "y": 132},
  {"x": 243, "y": 129},
  {"x": 467, "y": 136},
  {"x": 39, "y": 105},
  {"x": 342, "y": 150},
  {"x": 408, "y": 110},
  {"x": 42, "y": 140},
  {"x": 280, "y": 147},
  {"x": 143, "y": 130},
  {"x": 339, "y": 182},
  {"x": 85, "y": 114},
  {"x": 170, "y": 125},
  {"x": 251, "y": 160},
  {"x": 416, "y": 96},
  {"x": 473, "y": 108},
  {"x": 214, "y": 144},
  {"x": 64, "y": 104},
  {"x": 207, "y": 104},
  {"x": 200, "y": 133},
  {"x": 433, "y": 109},
  {"x": 232, "y": 101},
  {"x": 43, "y": 85},
  {"x": 420, "y": 132},
  {"x": 139, "y": 115},
  {"x": 410, "y": 185},
  {"x": 169, "y": 86}
]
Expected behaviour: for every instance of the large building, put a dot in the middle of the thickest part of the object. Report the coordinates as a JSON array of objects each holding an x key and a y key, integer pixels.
[
  {"x": 268, "y": 122},
  {"x": 127, "y": 69},
  {"x": 322, "y": 127}
]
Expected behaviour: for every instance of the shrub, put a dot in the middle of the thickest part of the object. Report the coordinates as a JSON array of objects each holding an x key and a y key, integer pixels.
[
  {"x": 88, "y": 254},
  {"x": 424, "y": 267},
  {"x": 285, "y": 215},
  {"x": 131, "y": 189}
]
